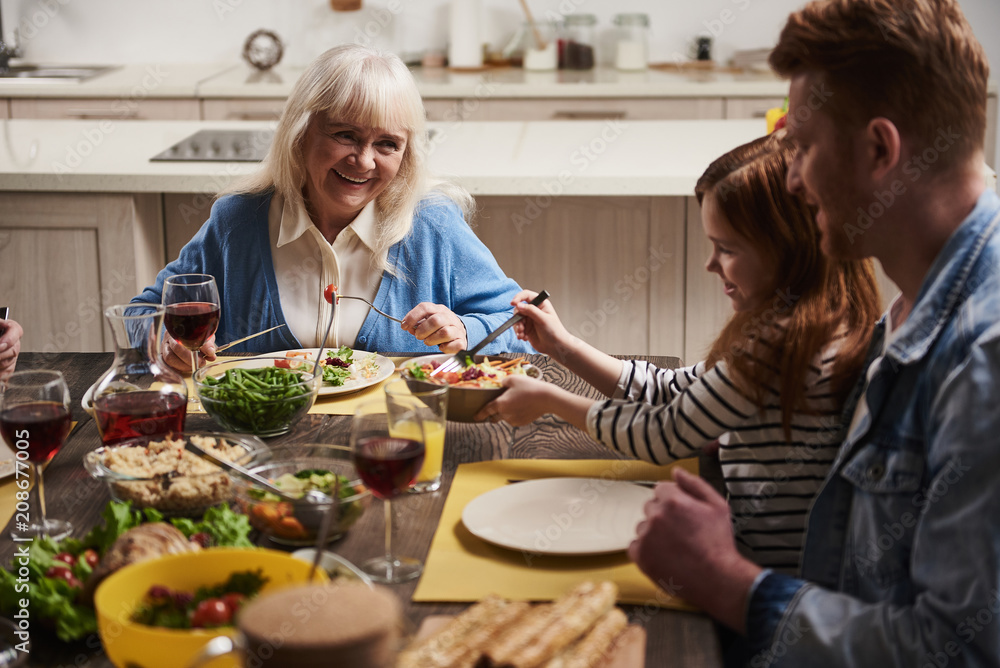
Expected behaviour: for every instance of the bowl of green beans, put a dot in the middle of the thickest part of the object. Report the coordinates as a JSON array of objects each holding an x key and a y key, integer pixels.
[{"x": 252, "y": 395}]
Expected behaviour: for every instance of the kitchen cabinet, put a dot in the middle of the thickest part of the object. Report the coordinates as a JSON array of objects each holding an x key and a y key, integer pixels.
[
  {"x": 68, "y": 256},
  {"x": 106, "y": 108},
  {"x": 242, "y": 109},
  {"x": 750, "y": 107},
  {"x": 4, "y": 109}
]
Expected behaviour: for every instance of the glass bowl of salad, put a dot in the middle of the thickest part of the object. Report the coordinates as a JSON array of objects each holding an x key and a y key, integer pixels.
[
  {"x": 251, "y": 395},
  {"x": 469, "y": 388},
  {"x": 298, "y": 469}
]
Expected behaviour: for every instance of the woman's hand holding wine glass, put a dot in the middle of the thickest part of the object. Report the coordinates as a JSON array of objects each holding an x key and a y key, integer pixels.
[{"x": 191, "y": 318}]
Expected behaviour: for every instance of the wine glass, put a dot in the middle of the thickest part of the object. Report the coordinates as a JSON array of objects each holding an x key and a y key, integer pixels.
[
  {"x": 35, "y": 419},
  {"x": 388, "y": 466},
  {"x": 192, "y": 312}
]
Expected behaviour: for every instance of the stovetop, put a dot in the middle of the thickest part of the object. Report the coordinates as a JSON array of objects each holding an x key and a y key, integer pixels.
[{"x": 219, "y": 146}]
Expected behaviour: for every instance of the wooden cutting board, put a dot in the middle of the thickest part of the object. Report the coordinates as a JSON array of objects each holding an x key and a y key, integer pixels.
[{"x": 630, "y": 651}]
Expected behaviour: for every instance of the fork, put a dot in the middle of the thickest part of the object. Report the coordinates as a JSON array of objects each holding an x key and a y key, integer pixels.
[
  {"x": 457, "y": 360},
  {"x": 362, "y": 299}
]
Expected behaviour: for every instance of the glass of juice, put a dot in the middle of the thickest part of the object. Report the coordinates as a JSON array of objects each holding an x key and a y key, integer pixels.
[
  {"x": 428, "y": 409},
  {"x": 388, "y": 466},
  {"x": 34, "y": 421}
]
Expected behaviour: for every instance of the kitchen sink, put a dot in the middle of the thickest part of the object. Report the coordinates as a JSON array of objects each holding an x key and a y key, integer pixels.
[{"x": 53, "y": 73}]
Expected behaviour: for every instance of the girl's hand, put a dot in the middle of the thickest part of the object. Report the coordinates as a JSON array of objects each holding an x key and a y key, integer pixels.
[
  {"x": 525, "y": 400},
  {"x": 436, "y": 325},
  {"x": 541, "y": 326}
]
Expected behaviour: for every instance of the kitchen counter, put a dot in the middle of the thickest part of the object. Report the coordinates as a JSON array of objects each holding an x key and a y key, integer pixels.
[
  {"x": 514, "y": 82},
  {"x": 225, "y": 80},
  {"x": 590, "y": 158},
  {"x": 138, "y": 81}
]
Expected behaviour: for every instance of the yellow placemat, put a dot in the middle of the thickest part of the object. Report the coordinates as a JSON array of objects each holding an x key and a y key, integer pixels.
[
  {"x": 7, "y": 489},
  {"x": 341, "y": 404},
  {"x": 463, "y": 568}
]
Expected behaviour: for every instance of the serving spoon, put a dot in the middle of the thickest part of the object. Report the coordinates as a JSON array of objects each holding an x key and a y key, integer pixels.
[{"x": 313, "y": 496}]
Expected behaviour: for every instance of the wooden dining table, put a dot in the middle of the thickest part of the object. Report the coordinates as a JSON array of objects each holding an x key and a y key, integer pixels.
[{"x": 673, "y": 637}]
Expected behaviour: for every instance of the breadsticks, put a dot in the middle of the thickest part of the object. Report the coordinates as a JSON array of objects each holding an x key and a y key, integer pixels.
[{"x": 577, "y": 630}]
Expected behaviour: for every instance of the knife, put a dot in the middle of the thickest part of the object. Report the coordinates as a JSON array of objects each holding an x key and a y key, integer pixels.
[{"x": 246, "y": 338}]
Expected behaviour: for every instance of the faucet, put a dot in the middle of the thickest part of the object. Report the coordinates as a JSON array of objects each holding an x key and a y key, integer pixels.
[{"x": 8, "y": 51}]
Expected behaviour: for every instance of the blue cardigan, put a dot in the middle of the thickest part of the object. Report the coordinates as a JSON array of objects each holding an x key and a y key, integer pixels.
[{"x": 441, "y": 261}]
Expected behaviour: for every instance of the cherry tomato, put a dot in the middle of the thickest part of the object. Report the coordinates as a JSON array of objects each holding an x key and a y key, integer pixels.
[
  {"x": 202, "y": 538},
  {"x": 211, "y": 612},
  {"x": 66, "y": 558},
  {"x": 329, "y": 292},
  {"x": 283, "y": 364},
  {"x": 234, "y": 602},
  {"x": 90, "y": 557},
  {"x": 63, "y": 573}
]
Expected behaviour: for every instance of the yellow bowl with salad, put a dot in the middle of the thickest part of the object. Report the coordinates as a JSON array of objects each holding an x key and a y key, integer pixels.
[
  {"x": 469, "y": 388},
  {"x": 128, "y": 642},
  {"x": 252, "y": 395}
]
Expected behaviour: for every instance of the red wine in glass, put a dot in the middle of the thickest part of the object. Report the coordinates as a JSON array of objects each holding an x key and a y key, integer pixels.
[
  {"x": 388, "y": 466},
  {"x": 124, "y": 415},
  {"x": 192, "y": 323},
  {"x": 43, "y": 424}
]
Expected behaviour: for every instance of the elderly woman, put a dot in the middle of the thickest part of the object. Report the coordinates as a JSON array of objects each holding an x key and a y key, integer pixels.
[{"x": 344, "y": 197}]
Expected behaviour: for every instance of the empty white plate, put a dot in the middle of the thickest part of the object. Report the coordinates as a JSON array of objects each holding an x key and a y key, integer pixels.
[{"x": 559, "y": 515}]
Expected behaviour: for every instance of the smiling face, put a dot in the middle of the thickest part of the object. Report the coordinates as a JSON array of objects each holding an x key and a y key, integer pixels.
[
  {"x": 347, "y": 166},
  {"x": 822, "y": 171},
  {"x": 746, "y": 277}
]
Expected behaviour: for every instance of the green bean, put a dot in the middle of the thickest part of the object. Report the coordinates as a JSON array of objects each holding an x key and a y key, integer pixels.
[{"x": 259, "y": 400}]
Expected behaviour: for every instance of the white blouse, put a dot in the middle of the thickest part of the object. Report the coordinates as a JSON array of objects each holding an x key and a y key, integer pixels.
[{"x": 305, "y": 263}]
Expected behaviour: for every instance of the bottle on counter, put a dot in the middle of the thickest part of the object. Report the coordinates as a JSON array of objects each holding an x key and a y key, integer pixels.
[
  {"x": 632, "y": 41},
  {"x": 576, "y": 45}
]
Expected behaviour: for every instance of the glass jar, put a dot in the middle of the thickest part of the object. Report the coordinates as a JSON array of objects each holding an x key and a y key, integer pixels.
[
  {"x": 576, "y": 46},
  {"x": 539, "y": 45},
  {"x": 139, "y": 395},
  {"x": 632, "y": 41}
]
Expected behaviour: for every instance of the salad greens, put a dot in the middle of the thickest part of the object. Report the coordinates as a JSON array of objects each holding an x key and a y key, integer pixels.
[
  {"x": 54, "y": 601},
  {"x": 336, "y": 366},
  {"x": 297, "y": 484}
]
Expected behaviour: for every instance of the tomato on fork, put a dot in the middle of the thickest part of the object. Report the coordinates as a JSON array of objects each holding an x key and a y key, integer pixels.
[{"x": 329, "y": 292}]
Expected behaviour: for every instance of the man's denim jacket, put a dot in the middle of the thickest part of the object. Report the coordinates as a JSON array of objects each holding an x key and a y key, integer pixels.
[{"x": 902, "y": 557}]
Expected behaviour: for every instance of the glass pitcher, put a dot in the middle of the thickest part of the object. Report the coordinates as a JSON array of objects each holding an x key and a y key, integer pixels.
[{"x": 139, "y": 395}]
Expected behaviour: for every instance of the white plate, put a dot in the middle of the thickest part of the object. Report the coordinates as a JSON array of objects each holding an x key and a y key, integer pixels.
[
  {"x": 385, "y": 369},
  {"x": 559, "y": 515}
]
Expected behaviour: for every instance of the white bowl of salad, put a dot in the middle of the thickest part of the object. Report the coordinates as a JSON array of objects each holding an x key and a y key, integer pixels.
[{"x": 469, "y": 388}]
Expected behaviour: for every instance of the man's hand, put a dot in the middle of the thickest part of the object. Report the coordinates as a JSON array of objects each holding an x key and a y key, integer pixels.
[
  {"x": 687, "y": 540},
  {"x": 10, "y": 347},
  {"x": 436, "y": 325}
]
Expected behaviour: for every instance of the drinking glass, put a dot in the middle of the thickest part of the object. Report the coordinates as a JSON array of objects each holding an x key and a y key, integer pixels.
[
  {"x": 388, "y": 466},
  {"x": 193, "y": 309},
  {"x": 430, "y": 407},
  {"x": 35, "y": 419}
]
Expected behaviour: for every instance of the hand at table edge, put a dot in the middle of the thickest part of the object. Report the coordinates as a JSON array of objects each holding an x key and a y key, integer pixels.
[{"x": 686, "y": 546}]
